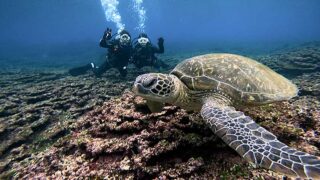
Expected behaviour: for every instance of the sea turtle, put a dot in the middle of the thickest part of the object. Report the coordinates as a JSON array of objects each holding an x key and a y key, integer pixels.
[{"x": 216, "y": 84}]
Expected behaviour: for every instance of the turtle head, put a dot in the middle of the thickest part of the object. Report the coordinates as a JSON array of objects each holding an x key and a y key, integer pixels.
[{"x": 157, "y": 87}]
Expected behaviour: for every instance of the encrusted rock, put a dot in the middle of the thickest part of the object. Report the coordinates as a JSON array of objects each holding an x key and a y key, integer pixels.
[
  {"x": 294, "y": 61},
  {"x": 123, "y": 140},
  {"x": 37, "y": 108}
]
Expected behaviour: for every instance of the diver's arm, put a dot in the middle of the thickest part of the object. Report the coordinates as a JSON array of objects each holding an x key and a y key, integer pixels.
[
  {"x": 133, "y": 55},
  {"x": 105, "y": 41},
  {"x": 160, "y": 48}
]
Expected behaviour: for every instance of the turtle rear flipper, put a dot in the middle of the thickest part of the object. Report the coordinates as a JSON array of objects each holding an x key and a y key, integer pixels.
[{"x": 256, "y": 144}]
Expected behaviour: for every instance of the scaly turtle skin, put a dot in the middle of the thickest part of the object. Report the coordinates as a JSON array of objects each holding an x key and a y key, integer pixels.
[{"x": 216, "y": 83}]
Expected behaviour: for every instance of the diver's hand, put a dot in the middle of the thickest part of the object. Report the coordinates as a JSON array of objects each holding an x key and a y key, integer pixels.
[
  {"x": 160, "y": 41},
  {"x": 108, "y": 33}
]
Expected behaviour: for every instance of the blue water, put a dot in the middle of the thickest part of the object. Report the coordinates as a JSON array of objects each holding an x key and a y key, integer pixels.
[{"x": 53, "y": 31}]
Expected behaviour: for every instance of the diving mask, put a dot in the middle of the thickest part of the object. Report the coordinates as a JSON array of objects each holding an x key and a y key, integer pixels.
[
  {"x": 124, "y": 39},
  {"x": 143, "y": 41}
]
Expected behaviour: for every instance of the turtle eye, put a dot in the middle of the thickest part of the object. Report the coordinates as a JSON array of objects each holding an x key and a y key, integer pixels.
[{"x": 149, "y": 82}]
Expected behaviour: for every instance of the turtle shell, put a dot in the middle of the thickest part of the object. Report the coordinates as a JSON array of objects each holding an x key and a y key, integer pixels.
[{"x": 239, "y": 78}]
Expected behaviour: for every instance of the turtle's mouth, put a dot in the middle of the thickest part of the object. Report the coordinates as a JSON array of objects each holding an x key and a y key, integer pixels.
[
  {"x": 144, "y": 84},
  {"x": 138, "y": 89}
]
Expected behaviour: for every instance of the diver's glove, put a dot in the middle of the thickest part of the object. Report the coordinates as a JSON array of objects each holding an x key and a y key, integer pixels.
[
  {"x": 107, "y": 34},
  {"x": 160, "y": 41}
]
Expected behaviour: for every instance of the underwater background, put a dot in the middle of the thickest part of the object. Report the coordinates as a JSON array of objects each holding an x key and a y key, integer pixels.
[
  {"x": 54, "y": 125},
  {"x": 53, "y": 30}
]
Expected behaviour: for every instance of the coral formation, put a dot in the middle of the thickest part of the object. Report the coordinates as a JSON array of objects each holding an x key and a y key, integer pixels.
[
  {"x": 37, "y": 108},
  {"x": 121, "y": 139},
  {"x": 56, "y": 126},
  {"x": 295, "y": 61},
  {"x": 309, "y": 84}
]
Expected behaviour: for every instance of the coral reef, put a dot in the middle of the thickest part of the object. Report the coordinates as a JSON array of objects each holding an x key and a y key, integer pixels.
[
  {"x": 295, "y": 61},
  {"x": 37, "y": 108},
  {"x": 309, "y": 84},
  {"x": 56, "y": 126},
  {"x": 122, "y": 139}
]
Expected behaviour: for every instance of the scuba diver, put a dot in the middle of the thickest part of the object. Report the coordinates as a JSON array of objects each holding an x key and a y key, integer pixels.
[
  {"x": 144, "y": 52},
  {"x": 119, "y": 53}
]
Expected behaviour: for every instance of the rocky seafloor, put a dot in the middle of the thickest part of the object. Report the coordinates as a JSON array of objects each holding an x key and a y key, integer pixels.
[
  {"x": 294, "y": 61},
  {"x": 62, "y": 127},
  {"x": 37, "y": 108}
]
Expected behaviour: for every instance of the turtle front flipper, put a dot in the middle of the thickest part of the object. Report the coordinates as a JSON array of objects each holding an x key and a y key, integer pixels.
[{"x": 256, "y": 144}]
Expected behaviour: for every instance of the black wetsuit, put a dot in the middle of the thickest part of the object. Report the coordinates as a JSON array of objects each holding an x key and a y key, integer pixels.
[
  {"x": 118, "y": 56},
  {"x": 145, "y": 55}
]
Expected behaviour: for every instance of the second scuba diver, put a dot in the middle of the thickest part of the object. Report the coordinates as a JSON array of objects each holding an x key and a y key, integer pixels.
[{"x": 144, "y": 52}]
